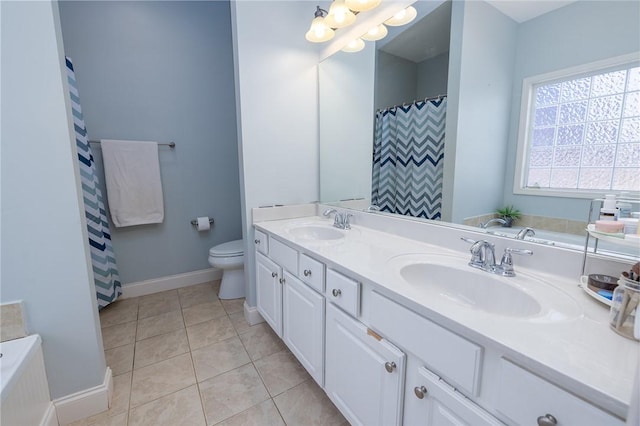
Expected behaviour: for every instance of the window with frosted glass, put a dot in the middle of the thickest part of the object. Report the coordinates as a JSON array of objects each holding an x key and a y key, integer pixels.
[{"x": 584, "y": 133}]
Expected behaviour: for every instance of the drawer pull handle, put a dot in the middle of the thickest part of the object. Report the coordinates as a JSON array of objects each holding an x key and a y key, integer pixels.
[
  {"x": 274, "y": 274},
  {"x": 281, "y": 280},
  {"x": 256, "y": 241},
  {"x": 336, "y": 292},
  {"x": 390, "y": 366},
  {"x": 547, "y": 420},
  {"x": 307, "y": 272},
  {"x": 420, "y": 391}
]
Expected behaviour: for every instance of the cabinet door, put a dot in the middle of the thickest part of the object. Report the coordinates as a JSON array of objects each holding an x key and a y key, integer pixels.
[
  {"x": 364, "y": 374},
  {"x": 269, "y": 292},
  {"x": 303, "y": 325},
  {"x": 436, "y": 403}
]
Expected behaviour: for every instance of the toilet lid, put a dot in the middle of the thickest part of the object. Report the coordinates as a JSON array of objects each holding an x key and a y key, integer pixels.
[{"x": 231, "y": 248}]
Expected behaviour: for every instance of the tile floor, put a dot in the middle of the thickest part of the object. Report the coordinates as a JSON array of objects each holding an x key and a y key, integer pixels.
[{"x": 184, "y": 357}]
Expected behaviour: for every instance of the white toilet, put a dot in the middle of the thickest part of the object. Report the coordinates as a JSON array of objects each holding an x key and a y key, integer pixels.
[{"x": 230, "y": 258}]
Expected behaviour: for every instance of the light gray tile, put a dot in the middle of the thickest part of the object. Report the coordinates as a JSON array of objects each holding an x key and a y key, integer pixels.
[
  {"x": 218, "y": 358},
  {"x": 280, "y": 372},
  {"x": 11, "y": 322},
  {"x": 179, "y": 408},
  {"x": 161, "y": 379},
  {"x": 120, "y": 359},
  {"x": 117, "y": 420},
  {"x": 162, "y": 296},
  {"x": 233, "y": 305},
  {"x": 119, "y": 335},
  {"x": 261, "y": 341},
  {"x": 231, "y": 393},
  {"x": 152, "y": 309},
  {"x": 263, "y": 414},
  {"x": 197, "y": 294},
  {"x": 203, "y": 312},
  {"x": 239, "y": 322},
  {"x": 119, "y": 312},
  {"x": 307, "y": 405},
  {"x": 160, "y": 324},
  {"x": 158, "y": 348},
  {"x": 208, "y": 332}
]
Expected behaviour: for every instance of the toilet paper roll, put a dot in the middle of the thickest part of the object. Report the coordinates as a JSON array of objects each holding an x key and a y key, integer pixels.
[{"x": 203, "y": 224}]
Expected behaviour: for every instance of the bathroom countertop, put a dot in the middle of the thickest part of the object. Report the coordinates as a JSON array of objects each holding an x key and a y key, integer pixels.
[{"x": 580, "y": 353}]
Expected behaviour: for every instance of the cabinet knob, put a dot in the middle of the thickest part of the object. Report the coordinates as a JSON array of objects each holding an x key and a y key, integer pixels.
[
  {"x": 547, "y": 420},
  {"x": 420, "y": 391},
  {"x": 390, "y": 366},
  {"x": 307, "y": 272},
  {"x": 256, "y": 241},
  {"x": 336, "y": 292},
  {"x": 274, "y": 274},
  {"x": 281, "y": 280}
]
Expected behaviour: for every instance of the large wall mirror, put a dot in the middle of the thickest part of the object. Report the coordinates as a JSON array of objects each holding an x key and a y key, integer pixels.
[{"x": 477, "y": 53}]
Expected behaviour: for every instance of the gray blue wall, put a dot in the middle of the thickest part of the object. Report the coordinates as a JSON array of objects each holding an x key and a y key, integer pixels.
[
  {"x": 582, "y": 32},
  {"x": 480, "y": 82},
  {"x": 163, "y": 71},
  {"x": 433, "y": 74},
  {"x": 45, "y": 261}
]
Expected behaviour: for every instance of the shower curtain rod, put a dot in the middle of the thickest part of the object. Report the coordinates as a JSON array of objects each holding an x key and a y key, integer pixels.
[
  {"x": 414, "y": 101},
  {"x": 169, "y": 144}
]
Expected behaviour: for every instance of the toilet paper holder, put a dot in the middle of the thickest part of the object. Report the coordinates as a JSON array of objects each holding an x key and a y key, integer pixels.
[{"x": 194, "y": 222}]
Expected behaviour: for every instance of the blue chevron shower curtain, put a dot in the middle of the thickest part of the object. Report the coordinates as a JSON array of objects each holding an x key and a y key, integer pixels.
[
  {"x": 106, "y": 278},
  {"x": 408, "y": 159}
]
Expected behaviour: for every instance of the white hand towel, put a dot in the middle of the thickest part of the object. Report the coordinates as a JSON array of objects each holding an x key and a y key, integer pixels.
[{"x": 132, "y": 175}]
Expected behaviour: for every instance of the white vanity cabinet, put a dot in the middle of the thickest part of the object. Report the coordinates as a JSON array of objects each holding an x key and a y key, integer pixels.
[
  {"x": 303, "y": 325},
  {"x": 364, "y": 374},
  {"x": 290, "y": 306},
  {"x": 433, "y": 402},
  {"x": 269, "y": 279}
]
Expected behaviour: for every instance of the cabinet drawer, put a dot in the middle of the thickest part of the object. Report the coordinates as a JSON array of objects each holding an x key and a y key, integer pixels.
[
  {"x": 452, "y": 357},
  {"x": 261, "y": 241},
  {"x": 283, "y": 255},
  {"x": 312, "y": 273},
  {"x": 343, "y": 291},
  {"x": 523, "y": 397}
]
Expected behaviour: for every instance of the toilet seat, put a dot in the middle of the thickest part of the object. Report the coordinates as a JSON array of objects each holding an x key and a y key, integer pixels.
[{"x": 228, "y": 249}]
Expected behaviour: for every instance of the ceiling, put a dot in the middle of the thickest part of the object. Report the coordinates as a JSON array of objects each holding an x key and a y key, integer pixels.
[{"x": 429, "y": 36}]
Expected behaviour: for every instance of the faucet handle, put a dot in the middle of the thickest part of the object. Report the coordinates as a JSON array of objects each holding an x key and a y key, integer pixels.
[
  {"x": 345, "y": 220},
  {"x": 506, "y": 263}
]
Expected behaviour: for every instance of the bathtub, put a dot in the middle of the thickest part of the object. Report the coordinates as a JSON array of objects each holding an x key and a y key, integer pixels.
[{"x": 24, "y": 390}]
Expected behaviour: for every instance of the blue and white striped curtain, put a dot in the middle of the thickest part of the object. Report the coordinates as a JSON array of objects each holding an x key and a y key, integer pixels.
[
  {"x": 408, "y": 159},
  {"x": 105, "y": 272}
]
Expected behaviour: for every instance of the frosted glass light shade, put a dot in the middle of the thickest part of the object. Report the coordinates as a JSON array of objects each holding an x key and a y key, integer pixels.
[
  {"x": 362, "y": 5},
  {"x": 376, "y": 33},
  {"x": 319, "y": 31},
  {"x": 354, "y": 46},
  {"x": 339, "y": 15},
  {"x": 403, "y": 17}
]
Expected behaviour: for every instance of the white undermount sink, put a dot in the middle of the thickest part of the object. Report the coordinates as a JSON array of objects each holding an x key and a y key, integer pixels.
[
  {"x": 316, "y": 232},
  {"x": 449, "y": 281},
  {"x": 480, "y": 291}
]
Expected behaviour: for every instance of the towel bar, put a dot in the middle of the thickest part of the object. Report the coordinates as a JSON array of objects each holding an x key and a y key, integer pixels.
[
  {"x": 169, "y": 144},
  {"x": 194, "y": 222}
]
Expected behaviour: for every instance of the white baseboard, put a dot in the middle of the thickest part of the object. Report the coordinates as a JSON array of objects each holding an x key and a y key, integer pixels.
[
  {"x": 50, "y": 418},
  {"x": 170, "y": 282},
  {"x": 251, "y": 315},
  {"x": 85, "y": 403}
]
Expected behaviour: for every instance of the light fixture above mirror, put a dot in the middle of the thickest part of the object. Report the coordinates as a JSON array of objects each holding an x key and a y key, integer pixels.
[
  {"x": 319, "y": 30},
  {"x": 342, "y": 13}
]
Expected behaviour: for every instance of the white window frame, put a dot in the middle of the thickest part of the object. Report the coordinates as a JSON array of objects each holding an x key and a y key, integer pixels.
[{"x": 526, "y": 107}]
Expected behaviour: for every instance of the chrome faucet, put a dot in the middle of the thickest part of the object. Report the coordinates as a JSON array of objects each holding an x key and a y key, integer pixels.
[
  {"x": 490, "y": 221},
  {"x": 373, "y": 208},
  {"x": 483, "y": 257},
  {"x": 340, "y": 220},
  {"x": 524, "y": 233}
]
